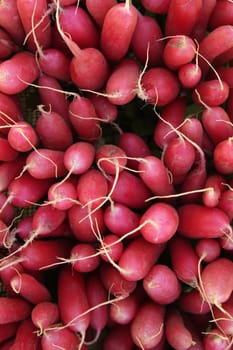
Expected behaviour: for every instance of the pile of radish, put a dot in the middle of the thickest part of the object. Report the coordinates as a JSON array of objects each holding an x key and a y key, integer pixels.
[{"x": 116, "y": 174}]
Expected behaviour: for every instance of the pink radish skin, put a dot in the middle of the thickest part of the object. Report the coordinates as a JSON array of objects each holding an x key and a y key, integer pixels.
[
  {"x": 55, "y": 63},
  {"x": 82, "y": 223},
  {"x": 8, "y": 331},
  {"x": 83, "y": 257},
  {"x": 99, "y": 8},
  {"x": 73, "y": 301},
  {"x": 79, "y": 157},
  {"x": 211, "y": 197},
  {"x": 208, "y": 249},
  {"x": 130, "y": 258},
  {"x": 223, "y": 160},
  {"x": 211, "y": 93},
  {"x": 146, "y": 38},
  {"x": 44, "y": 252},
  {"x": 15, "y": 75},
  {"x": 154, "y": 86},
  {"x": 26, "y": 330},
  {"x": 198, "y": 221},
  {"x": 124, "y": 311},
  {"x": 159, "y": 223},
  {"x": 121, "y": 84},
  {"x": 162, "y": 285},
  {"x": 22, "y": 309},
  {"x": 192, "y": 302},
  {"x": 31, "y": 14},
  {"x": 8, "y": 211},
  {"x": 222, "y": 14},
  {"x": 225, "y": 203},
  {"x": 114, "y": 282},
  {"x": 110, "y": 158},
  {"x": 54, "y": 339},
  {"x": 44, "y": 314},
  {"x": 10, "y": 112},
  {"x": 8, "y": 46},
  {"x": 30, "y": 289},
  {"x": 199, "y": 30},
  {"x": 177, "y": 335},
  {"x": 7, "y": 153},
  {"x": 63, "y": 195},
  {"x": 158, "y": 7},
  {"x": 45, "y": 163},
  {"x": 217, "y": 281},
  {"x": 216, "y": 340},
  {"x": 189, "y": 75},
  {"x": 120, "y": 219},
  {"x": 122, "y": 16},
  {"x": 53, "y": 131},
  {"x": 113, "y": 246},
  {"x": 105, "y": 110},
  {"x": 8, "y": 272},
  {"x": 118, "y": 337},
  {"x": 13, "y": 27},
  {"x": 184, "y": 260},
  {"x": 155, "y": 175},
  {"x": 224, "y": 320},
  {"x": 147, "y": 328},
  {"x": 22, "y": 137},
  {"x": 193, "y": 129}
]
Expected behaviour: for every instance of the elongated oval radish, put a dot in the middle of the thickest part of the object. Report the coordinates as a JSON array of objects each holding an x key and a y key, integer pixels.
[
  {"x": 26, "y": 330},
  {"x": 99, "y": 8},
  {"x": 53, "y": 339},
  {"x": 222, "y": 156},
  {"x": 84, "y": 258},
  {"x": 22, "y": 137},
  {"x": 22, "y": 309},
  {"x": 44, "y": 314}
]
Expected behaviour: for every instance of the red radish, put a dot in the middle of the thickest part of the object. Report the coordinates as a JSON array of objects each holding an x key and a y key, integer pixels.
[
  {"x": 6, "y": 238},
  {"x": 10, "y": 112},
  {"x": 8, "y": 46},
  {"x": 53, "y": 131},
  {"x": 147, "y": 328},
  {"x": 145, "y": 42},
  {"x": 159, "y": 223},
  {"x": 192, "y": 302},
  {"x": 105, "y": 110},
  {"x": 45, "y": 163},
  {"x": 9, "y": 269},
  {"x": 44, "y": 252},
  {"x": 7, "y": 153},
  {"x": 25, "y": 190},
  {"x": 55, "y": 63},
  {"x": 216, "y": 339},
  {"x": 162, "y": 285},
  {"x": 211, "y": 93},
  {"x": 124, "y": 311},
  {"x": 114, "y": 43},
  {"x": 222, "y": 14},
  {"x": 208, "y": 249},
  {"x": 22, "y": 137},
  {"x": 224, "y": 317},
  {"x": 121, "y": 85},
  {"x": 158, "y": 7},
  {"x": 7, "y": 344},
  {"x": 216, "y": 281},
  {"x": 15, "y": 73},
  {"x": 215, "y": 183},
  {"x": 184, "y": 260},
  {"x": 26, "y": 330},
  {"x": 134, "y": 146},
  {"x": 13, "y": 27},
  {"x": 222, "y": 156},
  {"x": 84, "y": 120},
  {"x": 110, "y": 158},
  {"x": 72, "y": 301},
  {"x": 30, "y": 289},
  {"x": 120, "y": 219},
  {"x": 97, "y": 295},
  {"x": 8, "y": 331},
  {"x": 79, "y": 157},
  {"x": 158, "y": 86},
  {"x": 22, "y": 309},
  {"x": 172, "y": 116},
  {"x": 135, "y": 267},
  {"x": 62, "y": 338},
  {"x": 225, "y": 203},
  {"x": 36, "y": 23},
  {"x": 192, "y": 128},
  {"x": 118, "y": 337},
  {"x": 92, "y": 189},
  {"x": 84, "y": 258},
  {"x": 99, "y": 8},
  {"x": 199, "y": 30},
  {"x": 199, "y": 221},
  {"x": 114, "y": 282},
  {"x": 179, "y": 50},
  {"x": 113, "y": 246},
  {"x": 52, "y": 96},
  {"x": 7, "y": 211},
  {"x": 129, "y": 190},
  {"x": 86, "y": 225},
  {"x": 63, "y": 195},
  {"x": 177, "y": 335},
  {"x": 189, "y": 75},
  {"x": 182, "y": 17},
  {"x": 44, "y": 314}
]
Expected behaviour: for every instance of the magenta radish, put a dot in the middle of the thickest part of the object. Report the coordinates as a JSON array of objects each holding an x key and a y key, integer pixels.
[
  {"x": 63, "y": 195},
  {"x": 72, "y": 301},
  {"x": 85, "y": 225},
  {"x": 134, "y": 267},
  {"x": 118, "y": 337},
  {"x": 53, "y": 131},
  {"x": 99, "y": 8},
  {"x": 7, "y": 211},
  {"x": 120, "y": 219},
  {"x": 159, "y": 223},
  {"x": 22, "y": 309},
  {"x": 199, "y": 30},
  {"x": 215, "y": 185},
  {"x": 177, "y": 335},
  {"x": 45, "y": 163},
  {"x": 122, "y": 82},
  {"x": 55, "y": 63},
  {"x": 79, "y": 157},
  {"x": 222, "y": 156},
  {"x": 114, "y": 247},
  {"x": 192, "y": 128},
  {"x": 211, "y": 93},
  {"x": 192, "y": 302},
  {"x": 105, "y": 110},
  {"x": 122, "y": 16},
  {"x": 224, "y": 317},
  {"x": 124, "y": 311},
  {"x": 29, "y": 288},
  {"x": 225, "y": 203},
  {"x": 26, "y": 330},
  {"x": 13, "y": 27},
  {"x": 199, "y": 221},
  {"x": 145, "y": 42},
  {"x": 22, "y": 137},
  {"x": 62, "y": 338},
  {"x": 84, "y": 258},
  {"x": 158, "y": 7},
  {"x": 208, "y": 249},
  {"x": 8, "y": 331},
  {"x": 110, "y": 158},
  {"x": 147, "y": 328},
  {"x": 7, "y": 153},
  {"x": 153, "y": 87},
  {"x": 189, "y": 75},
  {"x": 161, "y": 284},
  {"x": 44, "y": 314},
  {"x": 216, "y": 339},
  {"x": 222, "y": 14},
  {"x": 15, "y": 75},
  {"x": 10, "y": 112},
  {"x": 8, "y": 46}
]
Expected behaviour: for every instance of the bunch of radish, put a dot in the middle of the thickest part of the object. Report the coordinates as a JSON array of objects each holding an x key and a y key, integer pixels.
[{"x": 116, "y": 174}]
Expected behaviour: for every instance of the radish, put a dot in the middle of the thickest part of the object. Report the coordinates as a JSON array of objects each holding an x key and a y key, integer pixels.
[
  {"x": 124, "y": 311},
  {"x": 216, "y": 339},
  {"x": 223, "y": 318},
  {"x": 118, "y": 337},
  {"x": 114, "y": 43},
  {"x": 192, "y": 302},
  {"x": 8, "y": 46},
  {"x": 10, "y": 112},
  {"x": 114, "y": 247},
  {"x": 79, "y": 157},
  {"x": 8, "y": 331},
  {"x": 22, "y": 309},
  {"x": 7, "y": 153},
  {"x": 55, "y": 63},
  {"x": 105, "y": 110},
  {"x": 44, "y": 314},
  {"x": 26, "y": 330},
  {"x": 110, "y": 158},
  {"x": 208, "y": 249},
  {"x": 159, "y": 7},
  {"x": 199, "y": 29},
  {"x": 99, "y": 8},
  {"x": 189, "y": 75},
  {"x": 13, "y": 27},
  {"x": 211, "y": 93},
  {"x": 63, "y": 195},
  {"x": 84, "y": 258},
  {"x": 225, "y": 203},
  {"x": 215, "y": 183},
  {"x": 223, "y": 161},
  {"x": 222, "y": 14},
  {"x": 22, "y": 137},
  {"x": 63, "y": 338}
]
